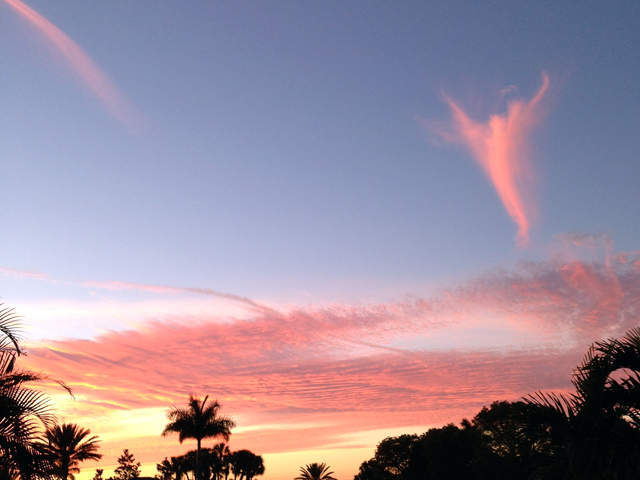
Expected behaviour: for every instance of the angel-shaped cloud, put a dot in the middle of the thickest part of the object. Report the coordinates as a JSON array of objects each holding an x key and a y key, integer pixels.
[{"x": 500, "y": 146}]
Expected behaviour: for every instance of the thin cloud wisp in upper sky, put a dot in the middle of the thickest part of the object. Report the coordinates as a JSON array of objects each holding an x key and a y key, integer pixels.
[
  {"x": 12, "y": 272},
  {"x": 140, "y": 287},
  {"x": 95, "y": 79},
  {"x": 500, "y": 146},
  {"x": 164, "y": 289}
]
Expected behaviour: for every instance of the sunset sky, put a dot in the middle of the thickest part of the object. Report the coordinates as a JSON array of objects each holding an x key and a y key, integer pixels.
[{"x": 343, "y": 220}]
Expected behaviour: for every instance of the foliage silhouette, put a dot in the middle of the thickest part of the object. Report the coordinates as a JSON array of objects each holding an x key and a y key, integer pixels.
[
  {"x": 599, "y": 424},
  {"x": 245, "y": 465},
  {"x": 24, "y": 412},
  {"x": 520, "y": 437},
  {"x": 172, "y": 469},
  {"x": 215, "y": 464},
  {"x": 315, "y": 471},
  {"x": 591, "y": 434},
  {"x": 391, "y": 459},
  {"x": 67, "y": 446},
  {"x": 447, "y": 452},
  {"x": 198, "y": 421},
  {"x": 128, "y": 467},
  {"x": 221, "y": 461}
]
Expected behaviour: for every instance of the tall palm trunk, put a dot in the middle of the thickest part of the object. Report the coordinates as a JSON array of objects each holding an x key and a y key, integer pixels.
[
  {"x": 197, "y": 472},
  {"x": 64, "y": 469}
]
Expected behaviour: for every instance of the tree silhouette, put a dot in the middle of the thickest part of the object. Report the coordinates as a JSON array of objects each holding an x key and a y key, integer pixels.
[
  {"x": 166, "y": 470},
  {"x": 215, "y": 464},
  {"x": 128, "y": 467},
  {"x": 315, "y": 471},
  {"x": 391, "y": 459},
  {"x": 67, "y": 446},
  {"x": 599, "y": 424},
  {"x": 591, "y": 434},
  {"x": 521, "y": 438},
  {"x": 173, "y": 468},
  {"x": 98, "y": 474},
  {"x": 245, "y": 465},
  {"x": 448, "y": 452},
  {"x": 24, "y": 412},
  {"x": 198, "y": 421},
  {"x": 221, "y": 457}
]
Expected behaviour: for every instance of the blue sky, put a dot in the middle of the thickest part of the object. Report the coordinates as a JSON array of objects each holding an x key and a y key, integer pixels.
[{"x": 281, "y": 149}]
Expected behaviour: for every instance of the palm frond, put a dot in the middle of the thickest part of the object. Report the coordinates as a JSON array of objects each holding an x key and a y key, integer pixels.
[
  {"x": 9, "y": 327},
  {"x": 315, "y": 471},
  {"x": 561, "y": 404}
]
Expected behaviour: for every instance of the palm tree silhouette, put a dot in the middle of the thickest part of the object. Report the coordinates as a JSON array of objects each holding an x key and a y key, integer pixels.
[
  {"x": 24, "y": 412},
  {"x": 222, "y": 456},
  {"x": 315, "y": 471},
  {"x": 599, "y": 424},
  {"x": 67, "y": 446},
  {"x": 198, "y": 421},
  {"x": 173, "y": 468}
]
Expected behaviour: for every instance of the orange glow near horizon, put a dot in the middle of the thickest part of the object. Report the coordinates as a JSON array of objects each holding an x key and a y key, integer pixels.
[
  {"x": 91, "y": 75},
  {"x": 500, "y": 147}
]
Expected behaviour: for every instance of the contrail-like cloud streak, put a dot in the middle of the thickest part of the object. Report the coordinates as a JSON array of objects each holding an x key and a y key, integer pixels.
[
  {"x": 500, "y": 146},
  {"x": 165, "y": 289},
  {"x": 96, "y": 80},
  {"x": 118, "y": 285}
]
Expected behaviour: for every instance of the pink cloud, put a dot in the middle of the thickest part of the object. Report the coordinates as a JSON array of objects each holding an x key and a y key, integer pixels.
[
  {"x": 95, "y": 79},
  {"x": 350, "y": 394},
  {"x": 500, "y": 147},
  {"x": 345, "y": 359},
  {"x": 11, "y": 272},
  {"x": 313, "y": 378}
]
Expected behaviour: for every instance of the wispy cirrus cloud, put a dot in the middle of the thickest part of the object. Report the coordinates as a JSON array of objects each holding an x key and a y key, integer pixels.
[
  {"x": 81, "y": 64},
  {"x": 28, "y": 274},
  {"x": 500, "y": 147},
  {"x": 73, "y": 313},
  {"x": 172, "y": 290}
]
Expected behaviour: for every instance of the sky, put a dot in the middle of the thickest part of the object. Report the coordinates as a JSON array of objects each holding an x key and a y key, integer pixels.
[{"x": 342, "y": 220}]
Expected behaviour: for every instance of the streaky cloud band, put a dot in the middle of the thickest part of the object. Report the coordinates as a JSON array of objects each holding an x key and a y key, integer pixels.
[{"x": 82, "y": 65}]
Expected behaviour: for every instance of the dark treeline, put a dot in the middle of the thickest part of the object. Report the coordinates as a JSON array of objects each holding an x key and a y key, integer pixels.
[
  {"x": 217, "y": 463},
  {"x": 201, "y": 419},
  {"x": 593, "y": 433}
]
